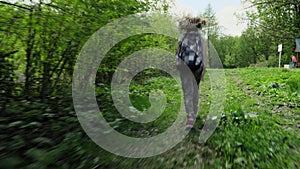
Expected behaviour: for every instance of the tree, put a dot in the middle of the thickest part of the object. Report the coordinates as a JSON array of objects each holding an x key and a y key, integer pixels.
[
  {"x": 213, "y": 32},
  {"x": 48, "y": 36},
  {"x": 226, "y": 47},
  {"x": 279, "y": 18},
  {"x": 275, "y": 22}
]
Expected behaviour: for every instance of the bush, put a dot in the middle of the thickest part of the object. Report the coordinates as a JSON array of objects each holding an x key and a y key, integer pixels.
[
  {"x": 260, "y": 64},
  {"x": 273, "y": 61},
  {"x": 293, "y": 83}
]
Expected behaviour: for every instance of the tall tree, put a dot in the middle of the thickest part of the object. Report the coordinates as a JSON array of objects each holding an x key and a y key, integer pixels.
[
  {"x": 279, "y": 18},
  {"x": 212, "y": 31},
  {"x": 48, "y": 36},
  {"x": 275, "y": 22}
]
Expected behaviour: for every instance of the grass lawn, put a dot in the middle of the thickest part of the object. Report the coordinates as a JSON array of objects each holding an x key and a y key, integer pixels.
[{"x": 259, "y": 128}]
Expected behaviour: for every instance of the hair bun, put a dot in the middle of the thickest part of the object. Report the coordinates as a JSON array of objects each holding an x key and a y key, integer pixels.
[
  {"x": 204, "y": 22},
  {"x": 189, "y": 23}
]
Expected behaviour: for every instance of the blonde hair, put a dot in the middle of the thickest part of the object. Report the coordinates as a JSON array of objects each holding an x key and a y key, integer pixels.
[{"x": 190, "y": 23}]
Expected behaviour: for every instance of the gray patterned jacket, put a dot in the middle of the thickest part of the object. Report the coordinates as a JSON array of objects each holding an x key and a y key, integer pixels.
[{"x": 194, "y": 40}]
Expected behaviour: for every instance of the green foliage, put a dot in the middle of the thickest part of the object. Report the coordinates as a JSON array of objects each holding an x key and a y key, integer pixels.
[
  {"x": 127, "y": 47},
  {"x": 7, "y": 76},
  {"x": 225, "y": 47},
  {"x": 39, "y": 45},
  {"x": 212, "y": 31},
  {"x": 270, "y": 23},
  {"x": 276, "y": 19},
  {"x": 258, "y": 128},
  {"x": 293, "y": 83},
  {"x": 47, "y": 37},
  {"x": 273, "y": 61}
]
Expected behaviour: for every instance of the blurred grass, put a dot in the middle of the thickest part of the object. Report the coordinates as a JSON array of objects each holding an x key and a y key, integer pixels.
[{"x": 258, "y": 128}]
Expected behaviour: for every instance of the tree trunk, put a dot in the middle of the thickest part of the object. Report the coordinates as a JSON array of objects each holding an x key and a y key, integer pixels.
[{"x": 29, "y": 51}]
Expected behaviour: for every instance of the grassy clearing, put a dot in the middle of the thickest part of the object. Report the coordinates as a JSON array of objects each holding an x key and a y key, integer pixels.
[{"x": 258, "y": 128}]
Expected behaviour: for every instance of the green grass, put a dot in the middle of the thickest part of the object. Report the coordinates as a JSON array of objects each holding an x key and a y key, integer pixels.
[{"x": 269, "y": 140}]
